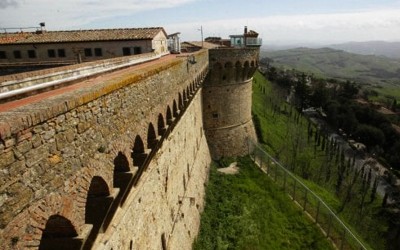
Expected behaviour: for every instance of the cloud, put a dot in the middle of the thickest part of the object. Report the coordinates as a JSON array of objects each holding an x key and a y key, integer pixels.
[
  {"x": 336, "y": 27},
  {"x": 7, "y": 3},
  {"x": 75, "y": 13}
]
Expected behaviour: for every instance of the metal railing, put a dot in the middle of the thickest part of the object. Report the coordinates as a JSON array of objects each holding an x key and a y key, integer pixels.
[{"x": 332, "y": 226}]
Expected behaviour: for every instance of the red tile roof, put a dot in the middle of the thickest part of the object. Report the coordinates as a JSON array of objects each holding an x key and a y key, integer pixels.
[{"x": 80, "y": 35}]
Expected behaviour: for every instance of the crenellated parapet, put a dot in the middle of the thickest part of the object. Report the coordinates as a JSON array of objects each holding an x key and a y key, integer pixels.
[{"x": 232, "y": 65}]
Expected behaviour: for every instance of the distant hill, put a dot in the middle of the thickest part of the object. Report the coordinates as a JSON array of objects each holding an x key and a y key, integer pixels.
[
  {"x": 331, "y": 63},
  {"x": 378, "y": 48}
]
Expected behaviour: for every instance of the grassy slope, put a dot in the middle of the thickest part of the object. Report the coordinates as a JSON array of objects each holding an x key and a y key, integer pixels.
[
  {"x": 339, "y": 64},
  {"x": 248, "y": 211},
  {"x": 278, "y": 131}
]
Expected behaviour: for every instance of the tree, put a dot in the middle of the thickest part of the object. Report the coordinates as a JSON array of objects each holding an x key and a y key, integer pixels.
[
  {"x": 320, "y": 95},
  {"x": 370, "y": 135},
  {"x": 302, "y": 92}
]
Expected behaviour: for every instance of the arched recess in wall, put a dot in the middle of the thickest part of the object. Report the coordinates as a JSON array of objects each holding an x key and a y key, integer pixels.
[
  {"x": 161, "y": 125},
  {"x": 59, "y": 233},
  {"x": 188, "y": 92},
  {"x": 252, "y": 69},
  {"x": 175, "y": 109},
  {"x": 138, "y": 153},
  {"x": 229, "y": 72},
  {"x": 216, "y": 73},
  {"x": 151, "y": 136},
  {"x": 191, "y": 88},
  {"x": 185, "y": 98},
  {"x": 246, "y": 69},
  {"x": 98, "y": 202},
  {"x": 169, "y": 116},
  {"x": 122, "y": 174},
  {"x": 238, "y": 71},
  {"x": 180, "y": 101}
]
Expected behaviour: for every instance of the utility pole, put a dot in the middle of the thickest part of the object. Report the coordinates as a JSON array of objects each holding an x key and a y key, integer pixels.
[{"x": 201, "y": 30}]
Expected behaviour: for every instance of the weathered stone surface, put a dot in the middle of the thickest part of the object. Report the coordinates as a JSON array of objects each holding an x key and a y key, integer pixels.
[
  {"x": 49, "y": 134},
  {"x": 24, "y": 146},
  {"x": 69, "y": 135},
  {"x": 61, "y": 141},
  {"x": 17, "y": 168},
  {"x": 54, "y": 159},
  {"x": 6, "y": 159},
  {"x": 36, "y": 141},
  {"x": 82, "y": 127},
  {"x": 9, "y": 142},
  {"x": 36, "y": 155},
  {"x": 24, "y": 136}
]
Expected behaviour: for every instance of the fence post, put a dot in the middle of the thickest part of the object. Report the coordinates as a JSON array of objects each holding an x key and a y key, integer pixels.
[
  {"x": 343, "y": 239},
  {"x": 318, "y": 206},
  {"x": 276, "y": 171},
  {"x": 328, "y": 231},
  {"x": 284, "y": 181},
  {"x": 294, "y": 189},
  {"x": 305, "y": 200}
]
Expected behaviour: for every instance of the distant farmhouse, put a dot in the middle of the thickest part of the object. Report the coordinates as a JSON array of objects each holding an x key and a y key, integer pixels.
[{"x": 24, "y": 49}]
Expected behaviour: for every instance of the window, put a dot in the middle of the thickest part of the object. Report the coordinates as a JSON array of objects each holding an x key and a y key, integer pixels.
[
  {"x": 3, "y": 54},
  {"x": 51, "y": 53},
  {"x": 126, "y": 51},
  {"x": 98, "y": 52},
  {"x": 61, "y": 52},
  {"x": 137, "y": 50},
  {"x": 31, "y": 53},
  {"x": 88, "y": 52},
  {"x": 17, "y": 54}
]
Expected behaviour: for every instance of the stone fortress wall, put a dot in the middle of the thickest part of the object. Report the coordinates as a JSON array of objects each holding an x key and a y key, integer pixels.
[
  {"x": 114, "y": 166},
  {"x": 123, "y": 164}
]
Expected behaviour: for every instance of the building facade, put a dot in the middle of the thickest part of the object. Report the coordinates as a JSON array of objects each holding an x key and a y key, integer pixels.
[{"x": 69, "y": 47}]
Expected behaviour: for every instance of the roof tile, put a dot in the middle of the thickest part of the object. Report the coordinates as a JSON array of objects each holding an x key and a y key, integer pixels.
[{"x": 80, "y": 35}]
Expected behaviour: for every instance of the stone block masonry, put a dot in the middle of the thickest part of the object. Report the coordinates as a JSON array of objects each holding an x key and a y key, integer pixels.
[
  {"x": 122, "y": 164},
  {"x": 227, "y": 101},
  {"x": 126, "y": 157}
]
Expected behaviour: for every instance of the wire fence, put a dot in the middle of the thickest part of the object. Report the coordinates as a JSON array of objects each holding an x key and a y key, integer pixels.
[{"x": 323, "y": 216}]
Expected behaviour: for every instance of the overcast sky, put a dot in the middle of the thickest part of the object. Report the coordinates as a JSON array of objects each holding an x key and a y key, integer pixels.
[{"x": 277, "y": 21}]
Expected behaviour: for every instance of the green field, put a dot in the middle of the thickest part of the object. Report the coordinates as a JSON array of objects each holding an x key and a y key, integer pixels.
[{"x": 248, "y": 211}]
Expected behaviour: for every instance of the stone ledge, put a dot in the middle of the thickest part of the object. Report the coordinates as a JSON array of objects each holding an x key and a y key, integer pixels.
[{"x": 32, "y": 114}]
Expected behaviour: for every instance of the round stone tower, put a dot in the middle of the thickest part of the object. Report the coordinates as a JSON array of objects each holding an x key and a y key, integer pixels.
[{"x": 227, "y": 93}]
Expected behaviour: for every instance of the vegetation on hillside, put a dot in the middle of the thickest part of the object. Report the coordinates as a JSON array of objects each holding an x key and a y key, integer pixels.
[
  {"x": 248, "y": 211},
  {"x": 373, "y": 72},
  {"x": 359, "y": 121},
  {"x": 309, "y": 151}
]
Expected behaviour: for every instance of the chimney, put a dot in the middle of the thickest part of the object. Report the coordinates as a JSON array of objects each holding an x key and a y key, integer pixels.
[
  {"x": 42, "y": 27},
  {"x": 245, "y": 30}
]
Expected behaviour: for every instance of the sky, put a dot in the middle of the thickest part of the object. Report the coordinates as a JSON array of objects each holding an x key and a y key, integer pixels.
[{"x": 278, "y": 22}]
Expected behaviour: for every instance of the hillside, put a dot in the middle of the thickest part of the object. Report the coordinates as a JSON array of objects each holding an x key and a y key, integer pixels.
[
  {"x": 378, "y": 48},
  {"x": 326, "y": 62}
]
